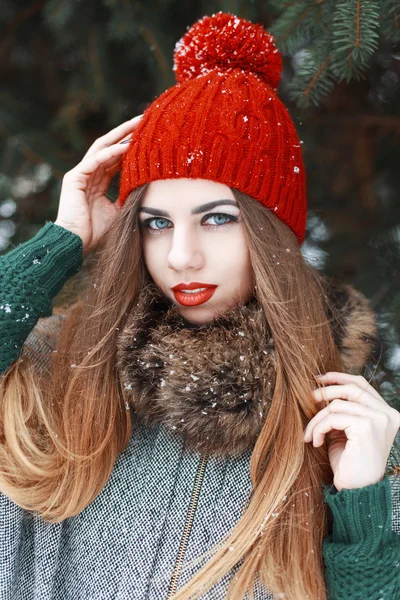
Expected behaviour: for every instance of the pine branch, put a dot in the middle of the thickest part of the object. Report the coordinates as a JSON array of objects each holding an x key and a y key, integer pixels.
[
  {"x": 354, "y": 27},
  {"x": 313, "y": 78},
  {"x": 390, "y": 20},
  {"x": 277, "y": 6},
  {"x": 295, "y": 26},
  {"x": 355, "y": 38}
]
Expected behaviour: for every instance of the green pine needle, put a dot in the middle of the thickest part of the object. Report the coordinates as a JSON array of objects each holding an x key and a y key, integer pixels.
[
  {"x": 354, "y": 26},
  {"x": 355, "y": 38},
  {"x": 390, "y": 20},
  {"x": 314, "y": 77},
  {"x": 295, "y": 25}
]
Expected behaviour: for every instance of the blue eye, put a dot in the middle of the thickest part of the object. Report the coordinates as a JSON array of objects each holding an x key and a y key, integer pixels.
[
  {"x": 227, "y": 220},
  {"x": 157, "y": 220},
  {"x": 222, "y": 216}
]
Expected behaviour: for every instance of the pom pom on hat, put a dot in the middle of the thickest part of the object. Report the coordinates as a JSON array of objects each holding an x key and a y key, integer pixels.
[{"x": 224, "y": 42}]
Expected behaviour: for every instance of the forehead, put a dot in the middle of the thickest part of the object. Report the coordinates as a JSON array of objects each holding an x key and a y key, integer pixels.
[{"x": 189, "y": 192}]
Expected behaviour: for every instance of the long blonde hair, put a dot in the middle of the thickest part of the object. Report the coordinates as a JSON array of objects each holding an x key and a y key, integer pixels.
[{"x": 60, "y": 435}]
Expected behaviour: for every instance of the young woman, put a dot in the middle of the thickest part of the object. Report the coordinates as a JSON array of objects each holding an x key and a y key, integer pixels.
[{"x": 195, "y": 425}]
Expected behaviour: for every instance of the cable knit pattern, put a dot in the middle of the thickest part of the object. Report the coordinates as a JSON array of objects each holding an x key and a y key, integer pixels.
[
  {"x": 123, "y": 546},
  {"x": 363, "y": 552},
  {"x": 30, "y": 276}
]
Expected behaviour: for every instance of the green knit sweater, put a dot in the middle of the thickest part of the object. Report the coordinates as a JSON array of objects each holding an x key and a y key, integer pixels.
[{"x": 362, "y": 552}]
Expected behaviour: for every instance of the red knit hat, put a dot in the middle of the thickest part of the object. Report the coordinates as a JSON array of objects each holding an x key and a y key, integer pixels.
[{"x": 223, "y": 121}]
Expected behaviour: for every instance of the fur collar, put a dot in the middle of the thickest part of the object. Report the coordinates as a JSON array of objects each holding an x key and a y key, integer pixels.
[{"x": 203, "y": 381}]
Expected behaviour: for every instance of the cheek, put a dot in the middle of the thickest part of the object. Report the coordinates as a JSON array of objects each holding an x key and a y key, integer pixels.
[
  {"x": 233, "y": 256},
  {"x": 152, "y": 254},
  {"x": 242, "y": 262},
  {"x": 237, "y": 250}
]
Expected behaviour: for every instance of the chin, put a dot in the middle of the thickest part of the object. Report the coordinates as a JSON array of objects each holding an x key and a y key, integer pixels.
[
  {"x": 202, "y": 317},
  {"x": 201, "y": 314}
]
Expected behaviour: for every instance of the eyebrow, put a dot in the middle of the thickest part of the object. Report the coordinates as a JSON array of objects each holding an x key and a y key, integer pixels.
[{"x": 196, "y": 211}]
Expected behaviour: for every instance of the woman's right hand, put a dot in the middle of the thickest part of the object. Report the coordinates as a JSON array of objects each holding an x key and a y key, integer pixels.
[{"x": 84, "y": 207}]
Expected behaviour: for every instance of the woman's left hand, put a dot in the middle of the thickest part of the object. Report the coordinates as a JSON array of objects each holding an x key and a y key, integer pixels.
[{"x": 360, "y": 427}]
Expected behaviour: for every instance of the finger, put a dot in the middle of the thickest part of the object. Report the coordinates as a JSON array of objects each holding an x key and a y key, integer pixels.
[
  {"x": 115, "y": 135},
  {"x": 113, "y": 163},
  {"x": 338, "y": 377},
  {"x": 89, "y": 164},
  {"x": 101, "y": 184},
  {"x": 341, "y": 407},
  {"x": 126, "y": 141},
  {"x": 113, "y": 170},
  {"x": 114, "y": 160},
  {"x": 119, "y": 133},
  {"x": 351, "y": 392},
  {"x": 101, "y": 178},
  {"x": 350, "y": 424},
  {"x": 104, "y": 209}
]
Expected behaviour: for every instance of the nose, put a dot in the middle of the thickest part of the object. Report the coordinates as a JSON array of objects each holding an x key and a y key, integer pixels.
[{"x": 185, "y": 253}]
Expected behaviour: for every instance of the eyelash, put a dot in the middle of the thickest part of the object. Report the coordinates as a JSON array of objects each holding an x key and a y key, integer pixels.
[{"x": 145, "y": 224}]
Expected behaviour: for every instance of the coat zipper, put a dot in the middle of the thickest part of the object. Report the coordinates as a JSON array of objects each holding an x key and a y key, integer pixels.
[{"x": 188, "y": 525}]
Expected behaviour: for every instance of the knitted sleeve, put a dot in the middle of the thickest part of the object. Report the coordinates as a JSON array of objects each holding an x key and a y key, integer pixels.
[
  {"x": 31, "y": 275},
  {"x": 362, "y": 554}
]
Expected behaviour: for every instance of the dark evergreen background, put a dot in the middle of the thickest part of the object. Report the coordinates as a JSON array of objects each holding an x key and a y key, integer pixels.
[{"x": 73, "y": 69}]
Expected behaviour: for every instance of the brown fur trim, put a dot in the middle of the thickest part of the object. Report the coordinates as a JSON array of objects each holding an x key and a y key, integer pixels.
[
  {"x": 353, "y": 324},
  {"x": 200, "y": 381},
  {"x": 203, "y": 382}
]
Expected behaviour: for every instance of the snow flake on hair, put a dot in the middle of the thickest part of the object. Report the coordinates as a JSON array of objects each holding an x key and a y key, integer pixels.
[{"x": 224, "y": 42}]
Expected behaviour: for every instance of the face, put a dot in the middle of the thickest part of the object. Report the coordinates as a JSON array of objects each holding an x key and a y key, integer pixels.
[{"x": 194, "y": 238}]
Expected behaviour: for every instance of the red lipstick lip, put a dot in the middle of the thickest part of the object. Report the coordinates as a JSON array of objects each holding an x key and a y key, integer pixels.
[
  {"x": 195, "y": 298},
  {"x": 192, "y": 286}
]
